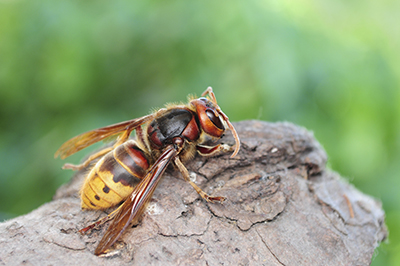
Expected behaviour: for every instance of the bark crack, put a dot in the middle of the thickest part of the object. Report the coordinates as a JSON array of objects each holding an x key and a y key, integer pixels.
[
  {"x": 63, "y": 246},
  {"x": 269, "y": 249}
]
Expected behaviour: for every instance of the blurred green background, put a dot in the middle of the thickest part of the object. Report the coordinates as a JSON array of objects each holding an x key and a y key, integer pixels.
[{"x": 331, "y": 66}]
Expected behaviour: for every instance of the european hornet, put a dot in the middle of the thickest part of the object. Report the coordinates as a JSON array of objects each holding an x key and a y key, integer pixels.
[{"x": 172, "y": 134}]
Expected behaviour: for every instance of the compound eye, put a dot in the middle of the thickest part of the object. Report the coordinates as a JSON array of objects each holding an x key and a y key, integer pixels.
[{"x": 215, "y": 120}]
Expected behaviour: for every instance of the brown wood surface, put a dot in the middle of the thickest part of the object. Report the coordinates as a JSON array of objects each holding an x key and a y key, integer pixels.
[{"x": 283, "y": 207}]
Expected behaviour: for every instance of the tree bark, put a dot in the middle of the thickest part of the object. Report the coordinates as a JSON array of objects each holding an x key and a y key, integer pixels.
[{"x": 283, "y": 207}]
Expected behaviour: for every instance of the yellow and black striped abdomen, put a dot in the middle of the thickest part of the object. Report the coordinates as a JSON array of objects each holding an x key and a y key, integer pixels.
[{"x": 114, "y": 176}]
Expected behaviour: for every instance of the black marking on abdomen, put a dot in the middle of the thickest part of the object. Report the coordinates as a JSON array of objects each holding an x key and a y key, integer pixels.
[
  {"x": 121, "y": 175},
  {"x": 132, "y": 158},
  {"x": 118, "y": 172}
]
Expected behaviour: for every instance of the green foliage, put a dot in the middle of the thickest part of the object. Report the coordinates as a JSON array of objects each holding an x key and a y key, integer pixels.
[{"x": 70, "y": 66}]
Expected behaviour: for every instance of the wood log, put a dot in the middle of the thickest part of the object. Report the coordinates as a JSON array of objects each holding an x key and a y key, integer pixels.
[{"x": 283, "y": 207}]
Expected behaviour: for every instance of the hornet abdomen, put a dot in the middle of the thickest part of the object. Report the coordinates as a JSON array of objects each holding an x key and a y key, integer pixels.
[{"x": 114, "y": 176}]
